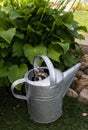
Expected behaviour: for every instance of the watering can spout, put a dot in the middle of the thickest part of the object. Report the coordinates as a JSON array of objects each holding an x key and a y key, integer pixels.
[{"x": 69, "y": 76}]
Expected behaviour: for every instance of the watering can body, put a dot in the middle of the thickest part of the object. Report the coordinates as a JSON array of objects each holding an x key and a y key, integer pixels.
[{"x": 45, "y": 97}]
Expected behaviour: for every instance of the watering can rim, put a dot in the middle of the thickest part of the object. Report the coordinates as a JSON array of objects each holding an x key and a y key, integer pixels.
[{"x": 39, "y": 82}]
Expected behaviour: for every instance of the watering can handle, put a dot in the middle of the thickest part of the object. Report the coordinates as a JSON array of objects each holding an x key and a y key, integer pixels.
[
  {"x": 14, "y": 84},
  {"x": 49, "y": 66}
]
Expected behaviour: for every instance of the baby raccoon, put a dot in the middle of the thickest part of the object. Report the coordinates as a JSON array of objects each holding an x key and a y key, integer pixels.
[{"x": 39, "y": 74}]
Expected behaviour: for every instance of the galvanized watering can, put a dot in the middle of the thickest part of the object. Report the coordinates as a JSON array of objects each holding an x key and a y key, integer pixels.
[{"x": 45, "y": 97}]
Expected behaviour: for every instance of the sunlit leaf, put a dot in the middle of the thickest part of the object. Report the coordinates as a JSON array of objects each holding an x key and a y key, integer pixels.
[
  {"x": 30, "y": 51},
  {"x": 65, "y": 46},
  {"x": 14, "y": 15},
  {"x": 69, "y": 59},
  {"x": 53, "y": 54},
  {"x": 8, "y": 35},
  {"x": 67, "y": 17},
  {"x": 17, "y": 72}
]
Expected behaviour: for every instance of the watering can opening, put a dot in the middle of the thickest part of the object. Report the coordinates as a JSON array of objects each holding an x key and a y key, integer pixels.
[
  {"x": 36, "y": 81},
  {"x": 38, "y": 74}
]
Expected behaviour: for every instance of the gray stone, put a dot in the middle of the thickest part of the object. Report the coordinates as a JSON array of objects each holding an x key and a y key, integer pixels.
[
  {"x": 83, "y": 96},
  {"x": 81, "y": 83},
  {"x": 86, "y": 71},
  {"x": 72, "y": 93},
  {"x": 85, "y": 58},
  {"x": 83, "y": 66}
]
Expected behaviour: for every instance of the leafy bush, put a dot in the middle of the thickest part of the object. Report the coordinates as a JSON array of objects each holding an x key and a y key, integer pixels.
[{"x": 31, "y": 29}]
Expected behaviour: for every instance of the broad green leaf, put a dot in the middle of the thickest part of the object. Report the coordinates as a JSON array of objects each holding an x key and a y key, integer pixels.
[
  {"x": 65, "y": 46},
  {"x": 67, "y": 17},
  {"x": 4, "y": 52},
  {"x": 19, "y": 35},
  {"x": 69, "y": 59},
  {"x": 3, "y": 69},
  {"x": 28, "y": 10},
  {"x": 53, "y": 54},
  {"x": 17, "y": 72},
  {"x": 8, "y": 35},
  {"x": 18, "y": 48},
  {"x": 3, "y": 45},
  {"x": 3, "y": 23},
  {"x": 40, "y": 10},
  {"x": 30, "y": 51},
  {"x": 29, "y": 28},
  {"x": 2, "y": 14},
  {"x": 14, "y": 15},
  {"x": 69, "y": 26},
  {"x": 58, "y": 21}
]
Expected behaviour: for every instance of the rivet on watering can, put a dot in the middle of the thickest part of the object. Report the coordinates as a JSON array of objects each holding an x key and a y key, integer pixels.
[{"x": 45, "y": 96}]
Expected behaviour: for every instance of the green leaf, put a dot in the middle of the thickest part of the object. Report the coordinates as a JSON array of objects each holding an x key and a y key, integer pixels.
[
  {"x": 2, "y": 14},
  {"x": 28, "y": 10},
  {"x": 19, "y": 35},
  {"x": 8, "y": 35},
  {"x": 17, "y": 72},
  {"x": 30, "y": 51},
  {"x": 3, "y": 69},
  {"x": 17, "y": 48},
  {"x": 65, "y": 46},
  {"x": 58, "y": 21},
  {"x": 29, "y": 28},
  {"x": 14, "y": 15},
  {"x": 4, "y": 52},
  {"x": 69, "y": 59},
  {"x": 67, "y": 17},
  {"x": 3, "y": 45},
  {"x": 53, "y": 54},
  {"x": 40, "y": 10}
]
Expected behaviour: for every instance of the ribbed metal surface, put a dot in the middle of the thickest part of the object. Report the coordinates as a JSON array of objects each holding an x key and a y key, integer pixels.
[{"x": 44, "y": 98}]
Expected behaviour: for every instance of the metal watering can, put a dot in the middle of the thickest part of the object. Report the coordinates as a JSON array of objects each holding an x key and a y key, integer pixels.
[{"x": 45, "y": 97}]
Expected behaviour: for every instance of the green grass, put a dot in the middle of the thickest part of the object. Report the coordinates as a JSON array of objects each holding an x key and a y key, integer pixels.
[
  {"x": 81, "y": 17},
  {"x": 13, "y": 115}
]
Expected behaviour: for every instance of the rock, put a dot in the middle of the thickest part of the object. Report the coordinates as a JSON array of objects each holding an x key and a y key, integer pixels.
[
  {"x": 71, "y": 93},
  {"x": 86, "y": 71},
  {"x": 84, "y": 76},
  {"x": 79, "y": 74},
  {"x": 84, "y": 114},
  {"x": 81, "y": 83},
  {"x": 83, "y": 66},
  {"x": 83, "y": 96},
  {"x": 74, "y": 84},
  {"x": 86, "y": 87},
  {"x": 85, "y": 58}
]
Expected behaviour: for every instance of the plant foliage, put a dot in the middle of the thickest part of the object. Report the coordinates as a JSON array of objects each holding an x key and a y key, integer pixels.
[{"x": 30, "y": 28}]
